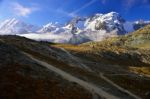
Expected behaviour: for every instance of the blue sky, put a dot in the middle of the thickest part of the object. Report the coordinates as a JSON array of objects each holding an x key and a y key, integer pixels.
[{"x": 43, "y": 11}]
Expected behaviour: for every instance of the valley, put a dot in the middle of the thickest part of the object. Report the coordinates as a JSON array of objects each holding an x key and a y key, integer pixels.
[{"x": 115, "y": 68}]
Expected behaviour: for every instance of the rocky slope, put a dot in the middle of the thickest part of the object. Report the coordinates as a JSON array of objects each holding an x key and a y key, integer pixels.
[
  {"x": 21, "y": 77},
  {"x": 118, "y": 67},
  {"x": 125, "y": 59}
]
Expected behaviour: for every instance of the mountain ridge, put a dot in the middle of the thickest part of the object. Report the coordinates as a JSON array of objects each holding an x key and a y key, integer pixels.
[
  {"x": 79, "y": 30},
  {"x": 14, "y": 26}
]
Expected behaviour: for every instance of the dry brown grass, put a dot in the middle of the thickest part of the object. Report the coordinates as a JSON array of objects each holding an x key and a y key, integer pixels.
[
  {"x": 93, "y": 51},
  {"x": 138, "y": 86},
  {"x": 13, "y": 85},
  {"x": 70, "y": 47},
  {"x": 141, "y": 70}
]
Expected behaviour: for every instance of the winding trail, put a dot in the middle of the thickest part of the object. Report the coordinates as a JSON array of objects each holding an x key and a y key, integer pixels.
[
  {"x": 118, "y": 87},
  {"x": 88, "y": 86},
  {"x": 75, "y": 59},
  {"x": 103, "y": 77},
  {"x": 95, "y": 90}
]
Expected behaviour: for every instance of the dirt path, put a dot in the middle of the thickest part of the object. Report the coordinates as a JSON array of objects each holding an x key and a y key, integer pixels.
[
  {"x": 118, "y": 87},
  {"x": 88, "y": 86},
  {"x": 104, "y": 78},
  {"x": 76, "y": 59}
]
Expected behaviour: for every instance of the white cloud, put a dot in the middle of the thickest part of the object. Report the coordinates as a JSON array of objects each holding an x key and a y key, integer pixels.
[
  {"x": 57, "y": 38},
  {"x": 21, "y": 10}
]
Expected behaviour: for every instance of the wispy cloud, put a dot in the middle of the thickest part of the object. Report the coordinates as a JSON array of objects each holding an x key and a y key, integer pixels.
[
  {"x": 128, "y": 4},
  {"x": 62, "y": 12},
  {"x": 103, "y": 1},
  {"x": 83, "y": 7},
  {"x": 21, "y": 10},
  {"x": 74, "y": 13}
]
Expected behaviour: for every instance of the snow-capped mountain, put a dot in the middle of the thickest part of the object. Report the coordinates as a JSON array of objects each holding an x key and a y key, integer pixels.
[
  {"x": 140, "y": 24},
  {"x": 79, "y": 30},
  {"x": 50, "y": 27},
  {"x": 133, "y": 26},
  {"x": 108, "y": 22},
  {"x": 71, "y": 27},
  {"x": 14, "y": 26},
  {"x": 76, "y": 25},
  {"x": 99, "y": 27},
  {"x": 95, "y": 28}
]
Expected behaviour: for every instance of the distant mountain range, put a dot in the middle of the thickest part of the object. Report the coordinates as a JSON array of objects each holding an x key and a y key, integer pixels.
[{"x": 78, "y": 30}]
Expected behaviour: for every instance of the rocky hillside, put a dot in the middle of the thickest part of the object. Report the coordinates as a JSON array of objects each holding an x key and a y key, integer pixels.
[
  {"x": 125, "y": 59},
  {"x": 23, "y": 78},
  {"x": 117, "y": 67},
  {"x": 136, "y": 42}
]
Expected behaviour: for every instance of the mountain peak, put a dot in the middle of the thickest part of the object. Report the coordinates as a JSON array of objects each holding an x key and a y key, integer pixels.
[
  {"x": 108, "y": 22},
  {"x": 113, "y": 13},
  {"x": 12, "y": 19},
  {"x": 15, "y": 26},
  {"x": 48, "y": 27}
]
